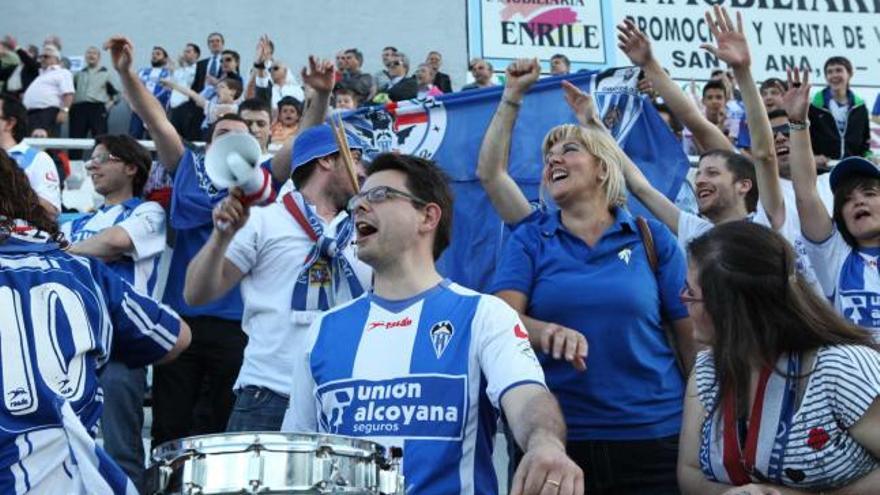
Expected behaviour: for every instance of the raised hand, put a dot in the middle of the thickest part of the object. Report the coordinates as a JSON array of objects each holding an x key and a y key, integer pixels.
[
  {"x": 796, "y": 101},
  {"x": 521, "y": 74},
  {"x": 634, "y": 43},
  {"x": 732, "y": 46},
  {"x": 320, "y": 74},
  {"x": 121, "y": 52},
  {"x": 231, "y": 214},
  {"x": 581, "y": 104}
]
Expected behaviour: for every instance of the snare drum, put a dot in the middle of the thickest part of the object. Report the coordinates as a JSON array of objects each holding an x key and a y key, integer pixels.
[{"x": 273, "y": 463}]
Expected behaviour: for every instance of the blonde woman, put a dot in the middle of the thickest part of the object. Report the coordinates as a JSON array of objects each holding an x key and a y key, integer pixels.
[{"x": 581, "y": 275}]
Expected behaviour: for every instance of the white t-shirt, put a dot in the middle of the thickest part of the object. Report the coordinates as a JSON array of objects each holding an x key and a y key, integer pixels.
[
  {"x": 691, "y": 226},
  {"x": 41, "y": 173},
  {"x": 270, "y": 250},
  {"x": 840, "y": 112}
]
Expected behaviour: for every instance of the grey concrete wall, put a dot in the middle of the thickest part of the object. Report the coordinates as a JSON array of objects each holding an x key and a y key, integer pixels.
[{"x": 298, "y": 27}]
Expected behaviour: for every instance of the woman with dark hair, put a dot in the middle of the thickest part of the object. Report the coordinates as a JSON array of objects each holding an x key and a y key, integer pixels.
[
  {"x": 566, "y": 273},
  {"x": 788, "y": 398},
  {"x": 63, "y": 317},
  {"x": 842, "y": 247}
]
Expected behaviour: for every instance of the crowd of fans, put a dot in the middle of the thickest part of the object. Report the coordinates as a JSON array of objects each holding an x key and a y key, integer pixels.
[{"x": 716, "y": 363}]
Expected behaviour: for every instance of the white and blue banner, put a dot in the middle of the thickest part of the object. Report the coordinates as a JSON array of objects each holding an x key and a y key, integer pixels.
[{"x": 450, "y": 129}]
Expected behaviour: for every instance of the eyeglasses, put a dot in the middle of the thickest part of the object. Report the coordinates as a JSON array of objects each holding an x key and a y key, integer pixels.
[
  {"x": 686, "y": 297},
  {"x": 380, "y": 194},
  {"x": 396, "y": 63},
  {"x": 784, "y": 129},
  {"x": 101, "y": 159}
]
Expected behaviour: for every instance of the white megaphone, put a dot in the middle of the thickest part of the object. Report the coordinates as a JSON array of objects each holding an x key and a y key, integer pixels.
[{"x": 233, "y": 160}]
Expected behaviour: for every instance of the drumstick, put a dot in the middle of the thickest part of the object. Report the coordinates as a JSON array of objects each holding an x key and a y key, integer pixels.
[{"x": 344, "y": 151}]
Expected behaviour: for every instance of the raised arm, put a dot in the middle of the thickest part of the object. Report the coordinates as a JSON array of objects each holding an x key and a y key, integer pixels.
[
  {"x": 197, "y": 98},
  {"x": 816, "y": 224},
  {"x": 506, "y": 196},
  {"x": 733, "y": 49},
  {"x": 320, "y": 77},
  {"x": 637, "y": 47},
  {"x": 169, "y": 146},
  {"x": 659, "y": 205}
]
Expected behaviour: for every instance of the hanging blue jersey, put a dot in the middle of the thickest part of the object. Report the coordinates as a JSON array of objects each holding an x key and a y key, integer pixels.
[
  {"x": 192, "y": 201},
  {"x": 426, "y": 373},
  {"x": 144, "y": 222},
  {"x": 849, "y": 278},
  {"x": 62, "y": 319}
]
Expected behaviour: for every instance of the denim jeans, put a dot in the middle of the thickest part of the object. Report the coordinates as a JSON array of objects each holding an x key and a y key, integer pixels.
[
  {"x": 123, "y": 417},
  {"x": 257, "y": 409}
]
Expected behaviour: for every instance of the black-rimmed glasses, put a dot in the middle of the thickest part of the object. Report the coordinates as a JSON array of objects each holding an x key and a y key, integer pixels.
[{"x": 382, "y": 193}]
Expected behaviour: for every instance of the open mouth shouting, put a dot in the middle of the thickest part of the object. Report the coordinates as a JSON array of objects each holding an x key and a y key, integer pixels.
[{"x": 364, "y": 230}]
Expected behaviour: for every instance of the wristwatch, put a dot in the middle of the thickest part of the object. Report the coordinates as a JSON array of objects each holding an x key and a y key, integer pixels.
[{"x": 798, "y": 125}]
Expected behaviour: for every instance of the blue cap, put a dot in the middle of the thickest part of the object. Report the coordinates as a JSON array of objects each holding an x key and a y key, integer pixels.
[
  {"x": 853, "y": 165},
  {"x": 318, "y": 142}
]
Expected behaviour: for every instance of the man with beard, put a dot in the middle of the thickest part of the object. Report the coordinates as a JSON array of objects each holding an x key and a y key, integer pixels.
[
  {"x": 150, "y": 77},
  {"x": 219, "y": 341},
  {"x": 286, "y": 259}
]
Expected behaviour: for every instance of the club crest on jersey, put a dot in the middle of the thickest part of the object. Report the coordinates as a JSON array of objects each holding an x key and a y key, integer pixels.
[
  {"x": 319, "y": 274},
  {"x": 414, "y": 127},
  {"x": 441, "y": 334}
]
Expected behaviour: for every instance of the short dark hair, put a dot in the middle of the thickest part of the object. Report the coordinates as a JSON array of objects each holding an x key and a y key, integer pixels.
[
  {"x": 255, "y": 105},
  {"x": 761, "y": 307},
  {"x": 357, "y": 54},
  {"x": 218, "y": 34},
  {"x": 233, "y": 84},
  {"x": 838, "y": 60},
  {"x": 195, "y": 48},
  {"x": 426, "y": 181},
  {"x": 13, "y": 109},
  {"x": 289, "y": 101},
  {"x": 227, "y": 116},
  {"x": 348, "y": 87},
  {"x": 775, "y": 114},
  {"x": 562, "y": 57},
  {"x": 716, "y": 84},
  {"x": 844, "y": 188},
  {"x": 774, "y": 82},
  {"x": 127, "y": 149},
  {"x": 164, "y": 51},
  {"x": 742, "y": 169},
  {"x": 392, "y": 48},
  {"x": 234, "y": 54}
]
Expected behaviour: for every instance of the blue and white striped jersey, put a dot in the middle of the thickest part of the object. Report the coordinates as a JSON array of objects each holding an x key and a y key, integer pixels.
[
  {"x": 62, "y": 318},
  {"x": 426, "y": 373},
  {"x": 144, "y": 222},
  {"x": 849, "y": 278}
]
